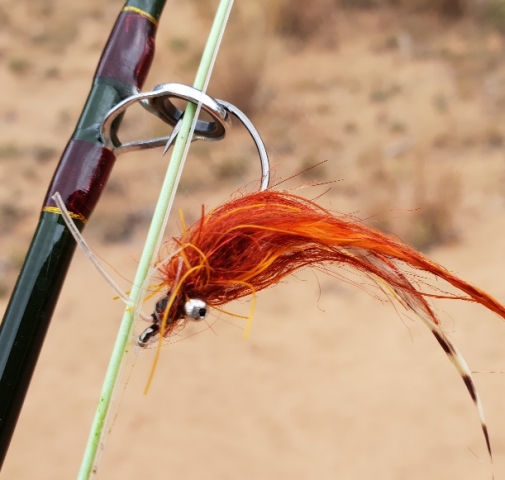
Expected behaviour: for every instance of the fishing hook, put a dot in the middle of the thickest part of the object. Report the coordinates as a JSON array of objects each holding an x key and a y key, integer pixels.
[{"x": 158, "y": 102}]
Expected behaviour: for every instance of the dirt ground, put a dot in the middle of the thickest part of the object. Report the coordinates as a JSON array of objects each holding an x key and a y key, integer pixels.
[{"x": 407, "y": 111}]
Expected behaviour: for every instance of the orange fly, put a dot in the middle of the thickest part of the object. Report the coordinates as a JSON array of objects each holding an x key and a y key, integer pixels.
[{"x": 255, "y": 240}]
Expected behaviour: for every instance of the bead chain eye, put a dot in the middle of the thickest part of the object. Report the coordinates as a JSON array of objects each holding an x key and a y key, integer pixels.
[{"x": 195, "y": 309}]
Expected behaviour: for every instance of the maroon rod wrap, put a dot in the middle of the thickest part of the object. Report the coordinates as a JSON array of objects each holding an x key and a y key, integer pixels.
[{"x": 85, "y": 165}]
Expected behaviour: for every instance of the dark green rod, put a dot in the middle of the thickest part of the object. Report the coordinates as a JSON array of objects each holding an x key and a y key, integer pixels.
[{"x": 80, "y": 178}]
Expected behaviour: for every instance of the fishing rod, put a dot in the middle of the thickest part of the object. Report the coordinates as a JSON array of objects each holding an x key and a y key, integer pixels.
[{"x": 80, "y": 178}]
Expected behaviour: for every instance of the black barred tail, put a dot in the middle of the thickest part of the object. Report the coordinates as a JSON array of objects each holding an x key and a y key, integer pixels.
[
  {"x": 415, "y": 302},
  {"x": 459, "y": 362}
]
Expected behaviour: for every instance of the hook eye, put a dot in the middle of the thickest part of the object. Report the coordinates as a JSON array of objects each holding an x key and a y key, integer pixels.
[{"x": 148, "y": 335}]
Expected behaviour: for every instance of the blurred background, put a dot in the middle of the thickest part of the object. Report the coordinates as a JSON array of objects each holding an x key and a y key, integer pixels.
[{"x": 403, "y": 102}]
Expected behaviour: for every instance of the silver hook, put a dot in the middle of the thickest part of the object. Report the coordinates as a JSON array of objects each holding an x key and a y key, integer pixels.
[
  {"x": 162, "y": 106},
  {"x": 172, "y": 115},
  {"x": 158, "y": 102},
  {"x": 262, "y": 151}
]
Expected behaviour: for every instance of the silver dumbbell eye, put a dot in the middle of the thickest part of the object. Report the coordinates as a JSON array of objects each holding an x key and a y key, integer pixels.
[{"x": 195, "y": 309}]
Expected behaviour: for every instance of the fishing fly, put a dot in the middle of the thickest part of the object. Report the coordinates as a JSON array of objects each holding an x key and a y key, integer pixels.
[{"x": 255, "y": 240}]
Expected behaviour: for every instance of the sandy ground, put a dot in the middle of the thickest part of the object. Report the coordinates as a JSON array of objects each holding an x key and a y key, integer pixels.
[{"x": 407, "y": 111}]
